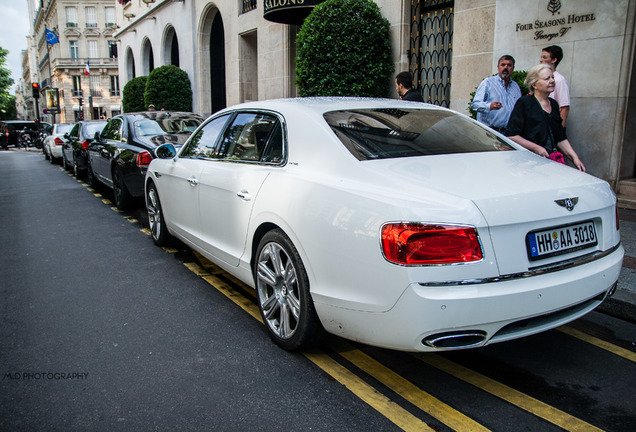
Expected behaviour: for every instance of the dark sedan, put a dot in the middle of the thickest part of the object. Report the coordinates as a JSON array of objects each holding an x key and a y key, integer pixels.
[
  {"x": 74, "y": 150},
  {"x": 120, "y": 155}
]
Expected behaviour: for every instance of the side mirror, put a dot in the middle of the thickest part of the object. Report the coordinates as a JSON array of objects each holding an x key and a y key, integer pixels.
[
  {"x": 166, "y": 151},
  {"x": 96, "y": 136}
]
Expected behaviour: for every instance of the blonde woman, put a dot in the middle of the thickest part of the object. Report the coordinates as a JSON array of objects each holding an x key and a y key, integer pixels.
[{"x": 535, "y": 122}]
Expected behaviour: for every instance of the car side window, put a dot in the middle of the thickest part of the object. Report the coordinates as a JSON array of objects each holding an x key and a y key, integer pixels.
[
  {"x": 203, "y": 143},
  {"x": 246, "y": 138},
  {"x": 112, "y": 130},
  {"x": 274, "y": 149},
  {"x": 75, "y": 131}
]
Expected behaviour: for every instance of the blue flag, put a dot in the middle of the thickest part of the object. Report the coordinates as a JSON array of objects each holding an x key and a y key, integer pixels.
[{"x": 51, "y": 38}]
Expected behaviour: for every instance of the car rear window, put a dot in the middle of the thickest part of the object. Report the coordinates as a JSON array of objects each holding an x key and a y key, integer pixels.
[
  {"x": 371, "y": 134},
  {"x": 91, "y": 128},
  {"x": 63, "y": 128}
]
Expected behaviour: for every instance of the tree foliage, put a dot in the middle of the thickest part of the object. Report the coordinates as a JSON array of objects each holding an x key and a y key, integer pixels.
[
  {"x": 7, "y": 101},
  {"x": 344, "y": 49},
  {"x": 133, "y": 95},
  {"x": 169, "y": 87}
]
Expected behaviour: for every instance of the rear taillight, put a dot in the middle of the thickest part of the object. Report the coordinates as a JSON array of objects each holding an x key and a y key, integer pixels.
[
  {"x": 6, "y": 133},
  {"x": 59, "y": 141},
  {"x": 85, "y": 144},
  {"x": 419, "y": 244},
  {"x": 143, "y": 159}
]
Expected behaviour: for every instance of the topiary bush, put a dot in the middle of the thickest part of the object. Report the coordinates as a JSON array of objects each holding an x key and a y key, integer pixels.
[
  {"x": 133, "y": 95},
  {"x": 169, "y": 87},
  {"x": 344, "y": 49}
]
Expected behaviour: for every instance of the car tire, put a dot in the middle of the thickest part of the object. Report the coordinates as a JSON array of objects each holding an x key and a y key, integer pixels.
[
  {"x": 156, "y": 221},
  {"x": 77, "y": 172},
  {"x": 123, "y": 199},
  {"x": 46, "y": 154},
  {"x": 51, "y": 159},
  {"x": 282, "y": 292},
  {"x": 90, "y": 175}
]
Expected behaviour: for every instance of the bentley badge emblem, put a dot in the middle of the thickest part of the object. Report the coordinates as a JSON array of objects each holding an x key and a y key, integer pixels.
[{"x": 568, "y": 203}]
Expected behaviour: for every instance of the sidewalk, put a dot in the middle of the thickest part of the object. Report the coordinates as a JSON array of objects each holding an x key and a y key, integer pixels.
[{"x": 623, "y": 303}]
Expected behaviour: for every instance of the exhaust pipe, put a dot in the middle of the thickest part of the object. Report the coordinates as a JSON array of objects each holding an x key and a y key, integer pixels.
[
  {"x": 612, "y": 290},
  {"x": 456, "y": 340}
]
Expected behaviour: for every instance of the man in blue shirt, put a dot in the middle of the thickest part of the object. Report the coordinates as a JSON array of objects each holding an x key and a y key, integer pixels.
[{"x": 496, "y": 96}]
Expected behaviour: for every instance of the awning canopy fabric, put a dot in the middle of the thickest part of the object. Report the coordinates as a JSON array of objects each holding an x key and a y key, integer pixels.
[{"x": 288, "y": 11}]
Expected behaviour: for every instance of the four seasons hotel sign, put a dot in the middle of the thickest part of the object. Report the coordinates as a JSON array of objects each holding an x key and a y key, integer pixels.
[{"x": 555, "y": 23}]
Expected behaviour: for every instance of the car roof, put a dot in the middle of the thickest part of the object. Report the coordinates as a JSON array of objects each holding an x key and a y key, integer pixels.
[{"x": 331, "y": 103}]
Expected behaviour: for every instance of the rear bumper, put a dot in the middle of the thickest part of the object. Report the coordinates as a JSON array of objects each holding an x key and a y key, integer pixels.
[
  {"x": 489, "y": 312},
  {"x": 56, "y": 151}
]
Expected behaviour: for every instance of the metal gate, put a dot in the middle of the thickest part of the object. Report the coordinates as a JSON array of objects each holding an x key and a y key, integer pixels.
[{"x": 430, "y": 52}]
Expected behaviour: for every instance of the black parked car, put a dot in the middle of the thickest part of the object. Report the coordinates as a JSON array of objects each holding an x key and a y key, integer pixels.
[
  {"x": 10, "y": 131},
  {"x": 75, "y": 149},
  {"x": 120, "y": 155}
]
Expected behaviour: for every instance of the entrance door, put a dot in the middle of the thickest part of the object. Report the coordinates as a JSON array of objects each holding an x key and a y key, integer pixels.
[{"x": 217, "y": 64}]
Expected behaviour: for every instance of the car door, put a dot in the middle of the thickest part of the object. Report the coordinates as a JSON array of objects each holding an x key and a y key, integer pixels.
[
  {"x": 72, "y": 140},
  {"x": 229, "y": 184},
  {"x": 177, "y": 180},
  {"x": 103, "y": 151}
]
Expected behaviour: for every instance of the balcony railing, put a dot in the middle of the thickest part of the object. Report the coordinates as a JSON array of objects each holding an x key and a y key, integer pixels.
[
  {"x": 77, "y": 92},
  {"x": 102, "y": 62},
  {"x": 115, "y": 92}
]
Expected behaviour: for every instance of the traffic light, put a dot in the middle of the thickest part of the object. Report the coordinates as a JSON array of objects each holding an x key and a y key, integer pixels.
[
  {"x": 35, "y": 88},
  {"x": 81, "y": 101}
]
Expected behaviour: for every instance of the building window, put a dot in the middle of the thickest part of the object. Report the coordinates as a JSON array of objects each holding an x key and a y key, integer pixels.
[
  {"x": 96, "y": 85},
  {"x": 91, "y": 17},
  {"x": 112, "y": 49},
  {"x": 71, "y": 16},
  {"x": 77, "y": 85},
  {"x": 114, "y": 85},
  {"x": 430, "y": 52},
  {"x": 73, "y": 47},
  {"x": 93, "y": 52},
  {"x": 248, "y": 5},
  {"x": 110, "y": 16}
]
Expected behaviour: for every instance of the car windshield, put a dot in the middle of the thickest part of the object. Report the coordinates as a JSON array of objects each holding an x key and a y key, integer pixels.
[
  {"x": 371, "y": 134},
  {"x": 168, "y": 124}
]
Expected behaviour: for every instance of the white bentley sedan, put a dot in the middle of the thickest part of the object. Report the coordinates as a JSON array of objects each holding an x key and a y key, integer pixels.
[{"x": 397, "y": 224}]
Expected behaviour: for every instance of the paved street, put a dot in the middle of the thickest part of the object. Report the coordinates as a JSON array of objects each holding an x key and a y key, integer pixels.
[{"x": 102, "y": 330}]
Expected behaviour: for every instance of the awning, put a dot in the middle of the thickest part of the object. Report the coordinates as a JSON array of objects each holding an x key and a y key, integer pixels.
[{"x": 288, "y": 11}]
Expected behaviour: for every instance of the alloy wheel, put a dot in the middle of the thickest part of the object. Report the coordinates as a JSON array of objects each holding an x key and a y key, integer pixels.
[{"x": 278, "y": 290}]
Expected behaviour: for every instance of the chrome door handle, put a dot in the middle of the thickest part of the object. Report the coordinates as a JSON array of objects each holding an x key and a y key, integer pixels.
[{"x": 193, "y": 181}]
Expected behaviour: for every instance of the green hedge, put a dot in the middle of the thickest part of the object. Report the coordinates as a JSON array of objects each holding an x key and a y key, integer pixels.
[
  {"x": 133, "y": 95},
  {"x": 169, "y": 87},
  {"x": 344, "y": 49}
]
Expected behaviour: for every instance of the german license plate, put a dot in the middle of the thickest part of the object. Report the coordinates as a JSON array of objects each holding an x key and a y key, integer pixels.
[{"x": 561, "y": 240}]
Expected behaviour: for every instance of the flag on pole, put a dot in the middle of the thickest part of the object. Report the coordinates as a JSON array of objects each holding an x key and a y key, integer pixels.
[
  {"x": 51, "y": 37},
  {"x": 87, "y": 70}
]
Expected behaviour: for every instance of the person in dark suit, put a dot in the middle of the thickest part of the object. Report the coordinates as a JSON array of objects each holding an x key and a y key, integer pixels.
[{"x": 404, "y": 87}]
